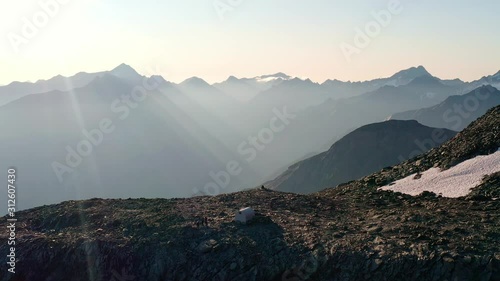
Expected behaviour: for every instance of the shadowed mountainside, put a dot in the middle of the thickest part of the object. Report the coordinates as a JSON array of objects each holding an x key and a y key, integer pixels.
[{"x": 361, "y": 152}]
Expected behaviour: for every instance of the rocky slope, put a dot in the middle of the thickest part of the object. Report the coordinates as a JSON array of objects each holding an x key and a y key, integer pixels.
[
  {"x": 352, "y": 232},
  {"x": 360, "y": 153}
]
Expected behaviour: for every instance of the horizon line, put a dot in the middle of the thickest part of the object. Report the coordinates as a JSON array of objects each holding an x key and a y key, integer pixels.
[{"x": 279, "y": 72}]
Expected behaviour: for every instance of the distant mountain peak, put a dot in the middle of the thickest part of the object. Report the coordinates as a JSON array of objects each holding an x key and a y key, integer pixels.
[
  {"x": 232, "y": 79},
  {"x": 411, "y": 73},
  {"x": 195, "y": 81},
  {"x": 488, "y": 87},
  {"x": 122, "y": 67},
  {"x": 336, "y": 82},
  {"x": 124, "y": 71},
  {"x": 276, "y": 75},
  {"x": 159, "y": 79},
  {"x": 57, "y": 77},
  {"x": 491, "y": 90},
  {"x": 300, "y": 80},
  {"x": 419, "y": 68}
]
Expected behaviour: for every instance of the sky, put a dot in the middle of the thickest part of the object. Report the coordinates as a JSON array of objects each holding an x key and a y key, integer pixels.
[{"x": 214, "y": 39}]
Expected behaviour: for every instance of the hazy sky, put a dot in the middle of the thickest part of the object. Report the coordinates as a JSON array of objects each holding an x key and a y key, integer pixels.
[{"x": 183, "y": 38}]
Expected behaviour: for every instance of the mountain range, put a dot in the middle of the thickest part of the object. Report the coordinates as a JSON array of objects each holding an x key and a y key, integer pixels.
[
  {"x": 191, "y": 126},
  {"x": 356, "y": 231},
  {"x": 16, "y": 90},
  {"x": 63, "y": 151}
]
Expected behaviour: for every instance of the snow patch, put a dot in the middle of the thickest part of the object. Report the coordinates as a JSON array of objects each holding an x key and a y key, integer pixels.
[
  {"x": 454, "y": 182},
  {"x": 269, "y": 79}
]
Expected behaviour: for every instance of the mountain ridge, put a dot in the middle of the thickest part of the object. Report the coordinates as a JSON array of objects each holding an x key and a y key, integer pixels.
[
  {"x": 457, "y": 111},
  {"x": 251, "y": 87},
  {"x": 359, "y": 153}
]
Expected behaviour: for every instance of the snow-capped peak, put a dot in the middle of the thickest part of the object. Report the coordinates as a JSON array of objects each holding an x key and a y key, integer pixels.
[{"x": 272, "y": 77}]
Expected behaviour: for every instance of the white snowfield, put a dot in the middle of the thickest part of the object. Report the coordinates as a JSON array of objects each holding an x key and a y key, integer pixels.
[{"x": 454, "y": 182}]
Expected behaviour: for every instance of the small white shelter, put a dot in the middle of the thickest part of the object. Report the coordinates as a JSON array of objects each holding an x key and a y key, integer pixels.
[{"x": 245, "y": 215}]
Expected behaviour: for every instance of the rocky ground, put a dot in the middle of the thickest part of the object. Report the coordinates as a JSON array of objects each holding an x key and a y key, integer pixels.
[
  {"x": 352, "y": 232},
  {"x": 488, "y": 189}
]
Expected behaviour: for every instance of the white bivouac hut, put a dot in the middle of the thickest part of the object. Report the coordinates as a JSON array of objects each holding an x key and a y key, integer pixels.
[{"x": 245, "y": 215}]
